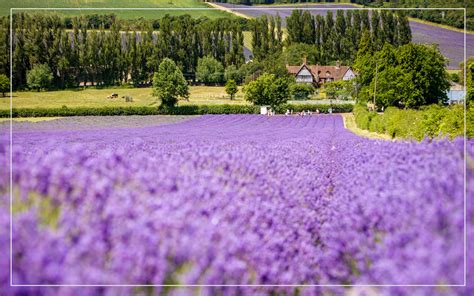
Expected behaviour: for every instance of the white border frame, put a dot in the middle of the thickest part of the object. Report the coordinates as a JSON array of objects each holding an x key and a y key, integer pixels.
[{"x": 238, "y": 8}]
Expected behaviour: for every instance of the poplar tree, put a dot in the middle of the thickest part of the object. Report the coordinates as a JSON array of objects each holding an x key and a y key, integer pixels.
[
  {"x": 403, "y": 28},
  {"x": 5, "y": 46},
  {"x": 356, "y": 25},
  {"x": 279, "y": 31},
  {"x": 294, "y": 26},
  {"x": 376, "y": 34},
  {"x": 308, "y": 29},
  {"x": 365, "y": 20},
  {"x": 340, "y": 34}
]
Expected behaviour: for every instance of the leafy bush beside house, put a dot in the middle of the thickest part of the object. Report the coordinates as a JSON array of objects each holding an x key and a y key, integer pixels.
[
  {"x": 340, "y": 90},
  {"x": 301, "y": 91}
]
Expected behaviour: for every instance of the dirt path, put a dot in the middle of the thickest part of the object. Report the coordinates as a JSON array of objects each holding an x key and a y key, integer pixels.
[
  {"x": 217, "y": 6},
  {"x": 350, "y": 124}
]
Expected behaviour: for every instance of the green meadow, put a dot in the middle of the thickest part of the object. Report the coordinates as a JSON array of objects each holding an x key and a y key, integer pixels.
[
  {"x": 199, "y": 95},
  {"x": 5, "y": 6}
]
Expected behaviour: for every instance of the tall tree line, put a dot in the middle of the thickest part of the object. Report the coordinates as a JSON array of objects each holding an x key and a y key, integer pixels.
[
  {"x": 446, "y": 17},
  {"x": 110, "y": 56},
  {"x": 267, "y": 36},
  {"x": 453, "y": 18},
  {"x": 338, "y": 37}
]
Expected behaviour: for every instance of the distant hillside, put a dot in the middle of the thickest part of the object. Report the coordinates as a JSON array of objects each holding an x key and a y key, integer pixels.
[
  {"x": 450, "y": 18},
  {"x": 5, "y": 6}
]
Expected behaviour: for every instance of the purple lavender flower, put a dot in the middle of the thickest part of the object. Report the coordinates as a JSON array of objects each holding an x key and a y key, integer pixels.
[{"x": 233, "y": 199}]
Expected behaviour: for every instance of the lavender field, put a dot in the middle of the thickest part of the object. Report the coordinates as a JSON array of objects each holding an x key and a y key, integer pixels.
[
  {"x": 451, "y": 43},
  {"x": 233, "y": 199}
]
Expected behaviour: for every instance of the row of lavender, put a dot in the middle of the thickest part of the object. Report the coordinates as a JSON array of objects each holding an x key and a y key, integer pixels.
[{"x": 236, "y": 199}]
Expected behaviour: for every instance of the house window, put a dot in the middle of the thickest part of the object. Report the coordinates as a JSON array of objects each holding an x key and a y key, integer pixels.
[{"x": 304, "y": 78}]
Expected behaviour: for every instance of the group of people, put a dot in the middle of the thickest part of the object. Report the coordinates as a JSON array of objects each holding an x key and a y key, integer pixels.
[
  {"x": 271, "y": 112},
  {"x": 302, "y": 113}
]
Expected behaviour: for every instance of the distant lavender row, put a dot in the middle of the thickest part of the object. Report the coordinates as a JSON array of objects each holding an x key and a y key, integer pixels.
[
  {"x": 233, "y": 199},
  {"x": 451, "y": 43}
]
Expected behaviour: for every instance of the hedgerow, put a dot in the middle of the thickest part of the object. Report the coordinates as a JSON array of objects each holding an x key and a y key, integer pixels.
[
  {"x": 180, "y": 110},
  {"x": 143, "y": 110},
  {"x": 431, "y": 121}
]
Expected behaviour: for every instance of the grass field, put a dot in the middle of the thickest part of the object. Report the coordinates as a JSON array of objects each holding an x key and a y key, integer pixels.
[
  {"x": 98, "y": 98},
  {"x": 5, "y": 6},
  {"x": 247, "y": 39},
  {"x": 199, "y": 95}
]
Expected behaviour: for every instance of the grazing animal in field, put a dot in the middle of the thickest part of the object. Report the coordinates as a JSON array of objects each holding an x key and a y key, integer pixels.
[{"x": 113, "y": 96}]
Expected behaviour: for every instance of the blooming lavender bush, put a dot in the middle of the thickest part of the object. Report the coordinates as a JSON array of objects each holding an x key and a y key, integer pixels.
[{"x": 232, "y": 199}]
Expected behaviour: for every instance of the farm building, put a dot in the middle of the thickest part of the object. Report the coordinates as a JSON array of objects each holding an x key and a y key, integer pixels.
[{"x": 318, "y": 74}]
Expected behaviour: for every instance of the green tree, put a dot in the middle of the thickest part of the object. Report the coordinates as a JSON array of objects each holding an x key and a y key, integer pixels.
[
  {"x": 267, "y": 90},
  {"x": 364, "y": 62},
  {"x": 209, "y": 70},
  {"x": 395, "y": 87},
  {"x": 408, "y": 76},
  {"x": 40, "y": 77},
  {"x": 365, "y": 20},
  {"x": 232, "y": 73},
  {"x": 428, "y": 68},
  {"x": 251, "y": 70},
  {"x": 294, "y": 54},
  {"x": 404, "y": 31},
  {"x": 4, "y": 45},
  {"x": 308, "y": 29},
  {"x": 341, "y": 90},
  {"x": 231, "y": 88},
  {"x": 301, "y": 91},
  {"x": 469, "y": 80},
  {"x": 294, "y": 26},
  {"x": 376, "y": 29},
  {"x": 4, "y": 84},
  {"x": 169, "y": 84}
]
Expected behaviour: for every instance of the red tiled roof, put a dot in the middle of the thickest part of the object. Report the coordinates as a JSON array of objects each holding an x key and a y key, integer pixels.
[
  {"x": 293, "y": 69},
  {"x": 335, "y": 72}
]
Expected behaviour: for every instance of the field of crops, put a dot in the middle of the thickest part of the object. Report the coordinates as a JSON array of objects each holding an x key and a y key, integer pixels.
[
  {"x": 232, "y": 199},
  {"x": 5, "y": 6},
  {"x": 451, "y": 43}
]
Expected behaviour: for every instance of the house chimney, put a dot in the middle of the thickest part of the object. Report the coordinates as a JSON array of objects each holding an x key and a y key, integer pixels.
[
  {"x": 304, "y": 60},
  {"x": 338, "y": 64}
]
